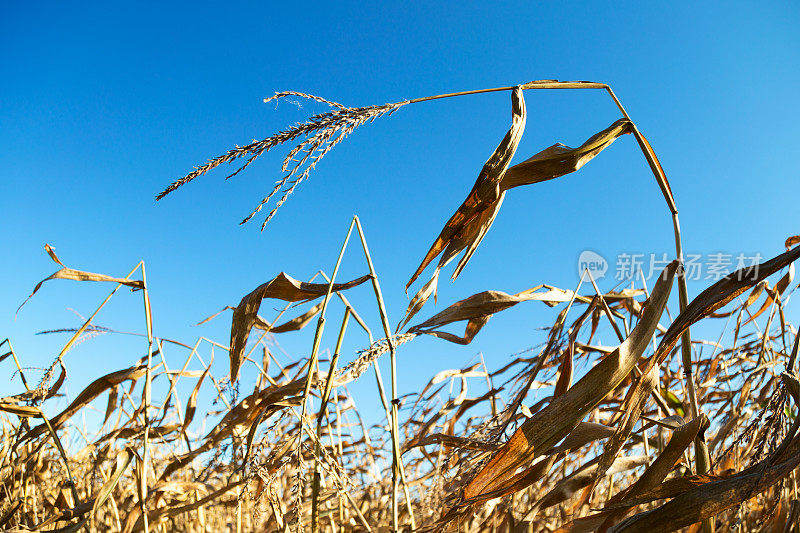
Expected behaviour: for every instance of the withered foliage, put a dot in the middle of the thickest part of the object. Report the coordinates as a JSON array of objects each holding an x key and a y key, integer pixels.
[{"x": 570, "y": 435}]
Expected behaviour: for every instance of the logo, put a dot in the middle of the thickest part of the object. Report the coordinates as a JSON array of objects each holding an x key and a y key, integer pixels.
[{"x": 595, "y": 263}]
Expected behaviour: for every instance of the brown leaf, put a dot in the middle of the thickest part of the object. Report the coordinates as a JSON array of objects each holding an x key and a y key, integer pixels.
[
  {"x": 476, "y": 310},
  {"x": 452, "y": 441},
  {"x": 240, "y": 417},
  {"x": 703, "y": 500},
  {"x": 779, "y": 289},
  {"x": 584, "y": 433},
  {"x": 79, "y": 275},
  {"x": 111, "y": 405},
  {"x": 281, "y": 287},
  {"x": 559, "y": 159},
  {"x": 720, "y": 293},
  {"x": 654, "y": 474},
  {"x": 467, "y": 227},
  {"x": 191, "y": 405},
  {"x": 536, "y": 435},
  {"x": 294, "y": 324},
  {"x": 88, "y": 394},
  {"x": 564, "y": 374},
  {"x": 634, "y": 404},
  {"x": 582, "y": 477},
  {"x": 709, "y": 301},
  {"x": 751, "y": 299}
]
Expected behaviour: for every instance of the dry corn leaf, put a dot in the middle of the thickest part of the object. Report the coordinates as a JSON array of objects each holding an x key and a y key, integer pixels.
[
  {"x": 653, "y": 477},
  {"x": 95, "y": 389},
  {"x": 751, "y": 299},
  {"x": 634, "y": 404},
  {"x": 707, "y": 497},
  {"x": 239, "y": 418},
  {"x": 191, "y": 405},
  {"x": 476, "y": 310},
  {"x": 451, "y": 441},
  {"x": 294, "y": 324},
  {"x": 78, "y": 275},
  {"x": 564, "y": 374},
  {"x": 721, "y": 293},
  {"x": 522, "y": 480},
  {"x": 467, "y": 227},
  {"x": 584, "y": 433},
  {"x": 111, "y": 405},
  {"x": 122, "y": 461},
  {"x": 780, "y": 288},
  {"x": 20, "y": 410},
  {"x": 582, "y": 477},
  {"x": 709, "y": 301},
  {"x": 138, "y": 432},
  {"x": 559, "y": 159},
  {"x": 654, "y": 474},
  {"x": 134, "y": 521},
  {"x": 536, "y": 435},
  {"x": 281, "y": 287}
]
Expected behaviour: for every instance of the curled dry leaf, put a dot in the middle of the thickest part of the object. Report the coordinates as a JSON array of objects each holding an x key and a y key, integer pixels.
[
  {"x": 536, "y": 435},
  {"x": 476, "y": 310},
  {"x": 564, "y": 374},
  {"x": 88, "y": 394},
  {"x": 634, "y": 404},
  {"x": 584, "y": 433},
  {"x": 479, "y": 308},
  {"x": 281, "y": 287},
  {"x": 773, "y": 294},
  {"x": 191, "y": 405},
  {"x": 654, "y": 474},
  {"x": 582, "y": 477},
  {"x": 240, "y": 418},
  {"x": 721, "y": 293},
  {"x": 707, "y": 496},
  {"x": 450, "y": 440},
  {"x": 751, "y": 299},
  {"x": 705, "y": 304},
  {"x": 78, "y": 275},
  {"x": 467, "y": 227},
  {"x": 294, "y": 324}
]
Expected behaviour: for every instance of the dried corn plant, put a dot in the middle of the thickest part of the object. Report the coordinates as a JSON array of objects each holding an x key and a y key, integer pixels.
[{"x": 567, "y": 436}]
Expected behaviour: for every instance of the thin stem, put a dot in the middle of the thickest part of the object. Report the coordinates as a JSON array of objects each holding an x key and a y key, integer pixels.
[
  {"x": 312, "y": 361},
  {"x": 147, "y": 400},
  {"x": 606, "y": 309},
  {"x": 85, "y": 325},
  {"x": 538, "y": 84},
  {"x": 397, "y": 465},
  {"x": 321, "y": 417},
  {"x": 16, "y": 362},
  {"x": 63, "y": 454}
]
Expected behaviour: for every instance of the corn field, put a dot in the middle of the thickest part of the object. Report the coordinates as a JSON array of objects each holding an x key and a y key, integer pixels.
[{"x": 662, "y": 432}]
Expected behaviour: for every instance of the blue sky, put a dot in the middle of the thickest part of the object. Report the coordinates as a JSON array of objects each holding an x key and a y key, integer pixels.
[{"x": 102, "y": 106}]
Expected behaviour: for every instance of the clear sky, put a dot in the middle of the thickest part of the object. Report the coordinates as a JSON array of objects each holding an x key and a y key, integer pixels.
[{"x": 103, "y": 105}]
